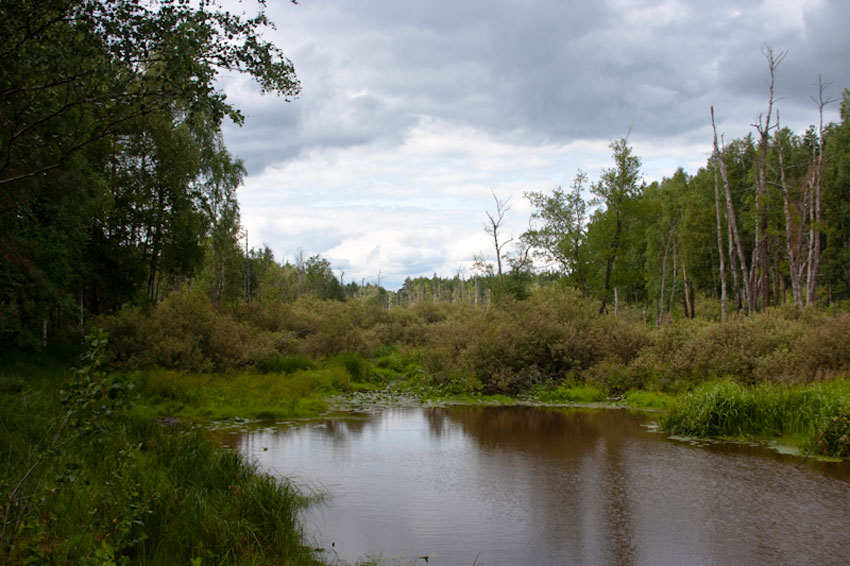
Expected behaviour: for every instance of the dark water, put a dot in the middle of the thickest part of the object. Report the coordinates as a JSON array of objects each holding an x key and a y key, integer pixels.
[{"x": 517, "y": 485}]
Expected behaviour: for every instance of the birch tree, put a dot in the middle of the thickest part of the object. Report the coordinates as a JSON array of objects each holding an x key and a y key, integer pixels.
[{"x": 616, "y": 187}]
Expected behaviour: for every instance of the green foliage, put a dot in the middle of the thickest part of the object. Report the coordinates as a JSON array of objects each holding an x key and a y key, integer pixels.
[
  {"x": 185, "y": 332},
  {"x": 357, "y": 367},
  {"x": 110, "y": 121},
  {"x": 789, "y": 345},
  {"x": 244, "y": 395},
  {"x": 278, "y": 363},
  {"x": 522, "y": 343},
  {"x": 835, "y": 438},
  {"x": 87, "y": 405},
  {"x": 321, "y": 280},
  {"x": 560, "y": 235},
  {"x": 89, "y": 482},
  {"x": 818, "y": 413},
  {"x": 649, "y": 399}
]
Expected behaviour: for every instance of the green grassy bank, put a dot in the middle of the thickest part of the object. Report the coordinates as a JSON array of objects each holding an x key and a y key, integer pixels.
[
  {"x": 92, "y": 475},
  {"x": 89, "y": 477},
  {"x": 813, "y": 418}
]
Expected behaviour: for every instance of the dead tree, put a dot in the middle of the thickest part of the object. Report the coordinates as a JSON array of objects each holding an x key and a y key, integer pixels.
[
  {"x": 717, "y": 209},
  {"x": 761, "y": 264},
  {"x": 735, "y": 237},
  {"x": 494, "y": 224},
  {"x": 815, "y": 209}
]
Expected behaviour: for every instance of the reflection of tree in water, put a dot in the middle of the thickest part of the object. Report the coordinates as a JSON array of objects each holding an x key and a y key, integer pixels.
[
  {"x": 436, "y": 417},
  {"x": 339, "y": 430},
  {"x": 620, "y": 531},
  {"x": 545, "y": 433},
  {"x": 578, "y": 483}
]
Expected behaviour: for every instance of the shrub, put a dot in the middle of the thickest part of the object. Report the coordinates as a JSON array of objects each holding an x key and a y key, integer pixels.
[
  {"x": 817, "y": 412},
  {"x": 280, "y": 363},
  {"x": 185, "y": 332},
  {"x": 518, "y": 344},
  {"x": 356, "y": 366}
]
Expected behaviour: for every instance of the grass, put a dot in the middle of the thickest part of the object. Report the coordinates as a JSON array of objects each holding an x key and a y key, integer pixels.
[
  {"x": 279, "y": 363},
  {"x": 569, "y": 392},
  {"x": 649, "y": 399},
  {"x": 244, "y": 394},
  {"x": 815, "y": 416},
  {"x": 108, "y": 485}
]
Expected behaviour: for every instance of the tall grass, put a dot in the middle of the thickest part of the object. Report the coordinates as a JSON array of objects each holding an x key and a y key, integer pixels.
[
  {"x": 243, "y": 394},
  {"x": 114, "y": 487},
  {"x": 812, "y": 414}
]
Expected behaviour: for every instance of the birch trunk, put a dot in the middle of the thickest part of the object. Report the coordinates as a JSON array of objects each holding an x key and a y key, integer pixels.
[
  {"x": 794, "y": 267},
  {"x": 660, "y": 310},
  {"x": 816, "y": 212},
  {"x": 719, "y": 237},
  {"x": 733, "y": 227}
]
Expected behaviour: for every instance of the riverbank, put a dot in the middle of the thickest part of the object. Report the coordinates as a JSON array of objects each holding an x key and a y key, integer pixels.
[
  {"x": 120, "y": 466},
  {"x": 90, "y": 476},
  {"x": 811, "y": 419}
]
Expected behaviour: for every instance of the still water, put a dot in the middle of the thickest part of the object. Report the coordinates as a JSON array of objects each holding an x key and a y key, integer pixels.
[{"x": 519, "y": 485}]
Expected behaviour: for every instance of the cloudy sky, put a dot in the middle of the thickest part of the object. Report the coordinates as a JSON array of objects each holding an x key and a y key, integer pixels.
[{"x": 413, "y": 113}]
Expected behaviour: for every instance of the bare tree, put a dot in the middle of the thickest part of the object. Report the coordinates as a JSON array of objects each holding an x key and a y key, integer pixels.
[
  {"x": 495, "y": 222},
  {"x": 735, "y": 237},
  {"x": 717, "y": 210},
  {"x": 760, "y": 260},
  {"x": 815, "y": 210}
]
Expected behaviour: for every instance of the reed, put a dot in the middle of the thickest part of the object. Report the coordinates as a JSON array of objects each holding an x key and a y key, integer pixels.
[
  {"x": 115, "y": 487},
  {"x": 726, "y": 408}
]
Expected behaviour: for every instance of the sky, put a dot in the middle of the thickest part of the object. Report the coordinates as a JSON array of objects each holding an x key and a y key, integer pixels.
[{"x": 414, "y": 115}]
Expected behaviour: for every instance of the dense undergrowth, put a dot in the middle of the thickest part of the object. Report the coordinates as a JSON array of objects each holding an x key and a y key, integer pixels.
[
  {"x": 89, "y": 480},
  {"x": 553, "y": 336},
  {"x": 816, "y": 417},
  {"x": 275, "y": 360},
  {"x": 91, "y": 477}
]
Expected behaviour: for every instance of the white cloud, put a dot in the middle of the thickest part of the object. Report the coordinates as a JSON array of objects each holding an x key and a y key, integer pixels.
[
  {"x": 409, "y": 209},
  {"x": 412, "y": 113}
]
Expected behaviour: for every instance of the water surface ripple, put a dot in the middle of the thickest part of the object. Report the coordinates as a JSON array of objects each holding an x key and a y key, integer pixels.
[{"x": 519, "y": 485}]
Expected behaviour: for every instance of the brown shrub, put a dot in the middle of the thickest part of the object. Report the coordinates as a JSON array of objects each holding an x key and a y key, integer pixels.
[
  {"x": 782, "y": 344},
  {"x": 185, "y": 332}
]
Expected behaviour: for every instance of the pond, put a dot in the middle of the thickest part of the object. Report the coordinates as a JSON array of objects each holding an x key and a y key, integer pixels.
[{"x": 520, "y": 485}]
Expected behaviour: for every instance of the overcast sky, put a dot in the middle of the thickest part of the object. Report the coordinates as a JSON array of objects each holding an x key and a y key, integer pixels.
[{"x": 413, "y": 112}]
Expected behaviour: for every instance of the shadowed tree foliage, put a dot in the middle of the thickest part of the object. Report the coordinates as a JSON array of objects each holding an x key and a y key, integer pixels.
[{"x": 109, "y": 134}]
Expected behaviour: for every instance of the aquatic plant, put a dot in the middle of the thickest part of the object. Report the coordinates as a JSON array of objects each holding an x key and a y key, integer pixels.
[{"x": 727, "y": 408}]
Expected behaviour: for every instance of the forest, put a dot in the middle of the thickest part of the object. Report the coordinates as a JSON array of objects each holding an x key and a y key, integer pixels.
[{"x": 120, "y": 237}]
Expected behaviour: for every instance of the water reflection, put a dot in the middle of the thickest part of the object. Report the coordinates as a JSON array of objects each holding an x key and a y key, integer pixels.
[{"x": 518, "y": 485}]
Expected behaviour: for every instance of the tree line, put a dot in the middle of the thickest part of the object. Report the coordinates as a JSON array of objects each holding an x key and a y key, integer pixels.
[
  {"x": 766, "y": 221},
  {"x": 117, "y": 189}
]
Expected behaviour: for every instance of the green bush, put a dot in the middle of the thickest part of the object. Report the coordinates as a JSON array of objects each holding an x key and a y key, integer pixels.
[
  {"x": 280, "y": 363},
  {"x": 835, "y": 439},
  {"x": 100, "y": 484},
  {"x": 184, "y": 332},
  {"x": 357, "y": 367},
  {"x": 518, "y": 344},
  {"x": 727, "y": 408},
  {"x": 782, "y": 345}
]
